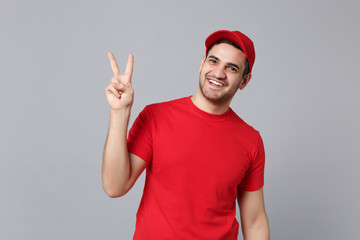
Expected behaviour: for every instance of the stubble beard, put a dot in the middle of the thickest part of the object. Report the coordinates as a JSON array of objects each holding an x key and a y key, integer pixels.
[{"x": 214, "y": 98}]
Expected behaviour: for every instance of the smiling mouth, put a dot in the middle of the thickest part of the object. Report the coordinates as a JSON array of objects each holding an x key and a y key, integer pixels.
[{"x": 216, "y": 83}]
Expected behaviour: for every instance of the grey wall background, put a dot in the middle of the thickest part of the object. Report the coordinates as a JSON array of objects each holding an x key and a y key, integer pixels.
[{"x": 304, "y": 98}]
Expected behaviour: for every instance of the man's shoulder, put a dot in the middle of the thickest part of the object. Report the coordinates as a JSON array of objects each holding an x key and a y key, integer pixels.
[
  {"x": 180, "y": 102},
  {"x": 242, "y": 125}
]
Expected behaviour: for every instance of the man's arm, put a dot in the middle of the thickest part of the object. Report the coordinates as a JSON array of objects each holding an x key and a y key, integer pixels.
[
  {"x": 254, "y": 222},
  {"x": 120, "y": 169}
]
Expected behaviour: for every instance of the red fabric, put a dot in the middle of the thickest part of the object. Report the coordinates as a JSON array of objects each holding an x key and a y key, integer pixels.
[{"x": 196, "y": 162}]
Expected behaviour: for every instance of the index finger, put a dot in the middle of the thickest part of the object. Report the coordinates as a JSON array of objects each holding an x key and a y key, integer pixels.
[
  {"x": 114, "y": 65},
  {"x": 129, "y": 66}
]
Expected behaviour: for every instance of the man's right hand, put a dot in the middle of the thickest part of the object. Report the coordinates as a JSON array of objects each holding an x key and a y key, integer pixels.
[
  {"x": 120, "y": 168},
  {"x": 119, "y": 93}
]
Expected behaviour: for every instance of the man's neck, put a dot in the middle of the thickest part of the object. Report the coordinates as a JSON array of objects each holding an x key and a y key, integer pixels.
[{"x": 207, "y": 106}]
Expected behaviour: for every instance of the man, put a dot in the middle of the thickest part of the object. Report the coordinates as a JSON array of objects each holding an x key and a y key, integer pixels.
[{"x": 198, "y": 154}]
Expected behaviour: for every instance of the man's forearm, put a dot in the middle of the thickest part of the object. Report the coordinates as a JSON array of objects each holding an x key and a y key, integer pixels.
[
  {"x": 116, "y": 164},
  {"x": 258, "y": 230}
]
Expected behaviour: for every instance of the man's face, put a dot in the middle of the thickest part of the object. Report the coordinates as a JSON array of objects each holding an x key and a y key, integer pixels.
[{"x": 221, "y": 73}]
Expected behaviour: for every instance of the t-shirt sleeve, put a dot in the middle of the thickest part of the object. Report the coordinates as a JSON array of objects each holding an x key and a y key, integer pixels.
[
  {"x": 254, "y": 177},
  {"x": 139, "y": 140}
]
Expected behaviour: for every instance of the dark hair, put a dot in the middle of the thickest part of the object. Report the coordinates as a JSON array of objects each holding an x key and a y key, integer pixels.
[{"x": 246, "y": 70}]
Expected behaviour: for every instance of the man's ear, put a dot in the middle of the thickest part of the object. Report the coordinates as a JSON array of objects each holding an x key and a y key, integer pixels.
[
  {"x": 244, "y": 81},
  {"x": 202, "y": 62}
]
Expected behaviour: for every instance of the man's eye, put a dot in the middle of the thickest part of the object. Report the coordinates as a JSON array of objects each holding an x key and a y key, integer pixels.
[
  {"x": 212, "y": 60},
  {"x": 232, "y": 69}
]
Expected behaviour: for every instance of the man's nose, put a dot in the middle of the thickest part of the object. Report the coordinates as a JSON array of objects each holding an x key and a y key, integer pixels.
[{"x": 219, "y": 72}]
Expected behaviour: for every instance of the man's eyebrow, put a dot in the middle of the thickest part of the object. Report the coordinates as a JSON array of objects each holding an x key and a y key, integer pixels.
[
  {"x": 228, "y": 63},
  {"x": 212, "y": 56}
]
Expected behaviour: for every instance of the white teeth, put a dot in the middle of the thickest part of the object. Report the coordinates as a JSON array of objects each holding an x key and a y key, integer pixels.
[{"x": 215, "y": 82}]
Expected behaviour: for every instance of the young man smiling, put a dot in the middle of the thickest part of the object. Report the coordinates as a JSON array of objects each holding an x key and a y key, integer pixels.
[
  {"x": 221, "y": 75},
  {"x": 198, "y": 154}
]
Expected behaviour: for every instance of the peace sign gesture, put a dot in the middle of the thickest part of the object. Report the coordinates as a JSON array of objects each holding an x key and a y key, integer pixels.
[{"x": 119, "y": 92}]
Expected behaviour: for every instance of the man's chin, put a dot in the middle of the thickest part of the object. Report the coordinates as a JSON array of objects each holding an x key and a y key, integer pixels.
[{"x": 216, "y": 98}]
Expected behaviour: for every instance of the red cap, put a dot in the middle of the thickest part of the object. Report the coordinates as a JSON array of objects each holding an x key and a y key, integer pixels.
[{"x": 237, "y": 37}]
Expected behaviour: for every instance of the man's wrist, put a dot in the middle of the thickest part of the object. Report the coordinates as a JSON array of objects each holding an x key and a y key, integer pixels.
[{"x": 120, "y": 112}]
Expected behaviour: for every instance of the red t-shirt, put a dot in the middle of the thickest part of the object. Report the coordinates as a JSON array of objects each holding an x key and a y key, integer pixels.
[{"x": 196, "y": 162}]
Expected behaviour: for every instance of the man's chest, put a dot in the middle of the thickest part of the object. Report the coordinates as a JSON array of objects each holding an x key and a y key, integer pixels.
[{"x": 210, "y": 153}]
